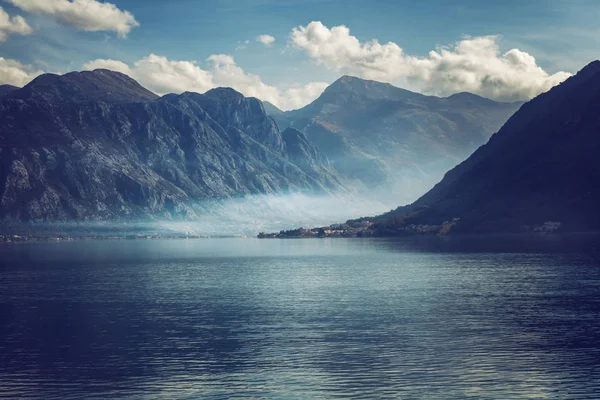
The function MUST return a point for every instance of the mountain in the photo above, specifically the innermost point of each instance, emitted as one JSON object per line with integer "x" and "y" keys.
{"x": 99, "y": 85}
{"x": 96, "y": 145}
{"x": 272, "y": 109}
{"x": 385, "y": 136}
{"x": 540, "y": 172}
{"x": 6, "y": 89}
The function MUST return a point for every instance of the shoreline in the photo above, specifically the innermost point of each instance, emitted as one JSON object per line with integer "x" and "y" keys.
{"x": 11, "y": 239}
{"x": 15, "y": 239}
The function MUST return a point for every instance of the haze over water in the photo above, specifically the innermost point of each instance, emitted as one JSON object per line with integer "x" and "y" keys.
{"x": 447, "y": 318}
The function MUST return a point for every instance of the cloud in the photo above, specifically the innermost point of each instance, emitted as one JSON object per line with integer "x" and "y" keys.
{"x": 297, "y": 96}
{"x": 14, "y": 73}
{"x": 242, "y": 45}
{"x": 112, "y": 65}
{"x": 472, "y": 64}
{"x": 166, "y": 76}
{"x": 16, "y": 24}
{"x": 162, "y": 76}
{"x": 227, "y": 73}
{"x": 267, "y": 40}
{"x": 86, "y": 15}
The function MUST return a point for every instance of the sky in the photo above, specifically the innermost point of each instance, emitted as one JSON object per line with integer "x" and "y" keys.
{"x": 288, "y": 51}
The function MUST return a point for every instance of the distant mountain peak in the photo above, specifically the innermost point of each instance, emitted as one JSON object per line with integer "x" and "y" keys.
{"x": 349, "y": 82}
{"x": 224, "y": 93}
{"x": 465, "y": 95}
{"x": 353, "y": 85}
{"x": 103, "y": 72}
{"x": 469, "y": 98}
{"x": 100, "y": 84}
{"x": 353, "y": 79}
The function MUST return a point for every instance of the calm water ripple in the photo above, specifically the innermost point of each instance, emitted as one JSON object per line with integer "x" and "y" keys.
{"x": 501, "y": 318}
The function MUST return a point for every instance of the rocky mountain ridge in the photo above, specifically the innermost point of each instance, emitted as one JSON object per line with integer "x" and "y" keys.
{"x": 96, "y": 145}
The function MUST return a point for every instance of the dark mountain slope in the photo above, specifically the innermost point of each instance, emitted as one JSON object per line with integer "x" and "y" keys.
{"x": 543, "y": 165}
{"x": 6, "y": 89}
{"x": 97, "y": 145}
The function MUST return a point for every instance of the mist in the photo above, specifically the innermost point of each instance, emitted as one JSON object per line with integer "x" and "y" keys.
{"x": 258, "y": 213}
{"x": 245, "y": 216}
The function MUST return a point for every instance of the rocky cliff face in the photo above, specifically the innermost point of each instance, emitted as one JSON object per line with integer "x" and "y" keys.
{"x": 540, "y": 172}
{"x": 96, "y": 145}
{"x": 390, "y": 137}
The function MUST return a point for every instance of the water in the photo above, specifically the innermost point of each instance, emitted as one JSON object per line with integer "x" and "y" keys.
{"x": 500, "y": 318}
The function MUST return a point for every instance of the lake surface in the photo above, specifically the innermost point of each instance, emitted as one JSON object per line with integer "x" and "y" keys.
{"x": 422, "y": 318}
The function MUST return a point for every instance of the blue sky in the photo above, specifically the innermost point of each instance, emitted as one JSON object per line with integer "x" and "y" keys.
{"x": 561, "y": 35}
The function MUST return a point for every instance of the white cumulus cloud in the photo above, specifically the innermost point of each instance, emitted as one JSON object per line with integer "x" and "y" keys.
{"x": 112, "y": 65}
{"x": 13, "y": 72}
{"x": 226, "y": 72}
{"x": 267, "y": 40}
{"x": 166, "y": 76}
{"x": 473, "y": 64}
{"x": 162, "y": 76}
{"x": 16, "y": 24}
{"x": 86, "y": 15}
{"x": 296, "y": 96}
